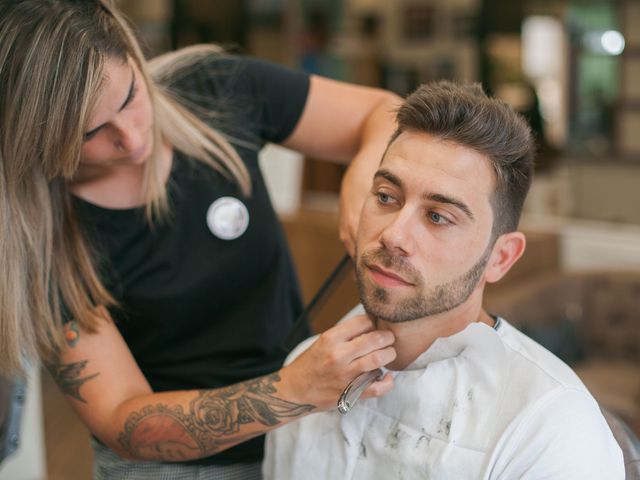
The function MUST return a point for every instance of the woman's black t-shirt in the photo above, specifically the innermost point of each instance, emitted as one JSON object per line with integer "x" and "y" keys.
{"x": 198, "y": 311}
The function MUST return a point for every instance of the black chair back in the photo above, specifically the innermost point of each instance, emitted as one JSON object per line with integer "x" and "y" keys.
{"x": 628, "y": 442}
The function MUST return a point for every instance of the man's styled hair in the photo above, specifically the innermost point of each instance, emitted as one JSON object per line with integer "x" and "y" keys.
{"x": 465, "y": 115}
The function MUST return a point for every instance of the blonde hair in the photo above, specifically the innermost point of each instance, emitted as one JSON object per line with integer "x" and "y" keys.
{"x": 52, "y": 54}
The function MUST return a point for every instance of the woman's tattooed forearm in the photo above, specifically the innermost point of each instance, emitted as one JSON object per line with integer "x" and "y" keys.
{"x": 163, "y": 432}
{"x": 69, "y": 379}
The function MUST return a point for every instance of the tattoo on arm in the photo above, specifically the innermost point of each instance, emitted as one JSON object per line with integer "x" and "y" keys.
{"x": 163, "y": 432}
{"x": 69, "y": 379}
{"x": 68, "y": 376}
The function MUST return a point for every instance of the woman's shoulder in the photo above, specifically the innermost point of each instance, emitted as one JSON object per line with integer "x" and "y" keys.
{"x": 194, "y": 64}
{"x": 218, "y": 69}
{"x": 227, "y": 90}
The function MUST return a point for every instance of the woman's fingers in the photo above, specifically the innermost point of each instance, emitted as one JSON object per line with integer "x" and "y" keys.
{"x": 320, "y": 374}
{"x": 349, "y": 329}
{"x": 380, "y": 387}
{"x": 354, "y": 347}
{"x": 374, "y": 347}
{"x": 347, "y": 232}
{"x": 374, "y": 359}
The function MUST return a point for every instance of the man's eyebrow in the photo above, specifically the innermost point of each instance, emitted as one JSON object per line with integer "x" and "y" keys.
{"x": 387, "y": 175}
{"x": 434, "y": 197}
{"x": 124, "y": 104}
{"x": 441, "y": 198}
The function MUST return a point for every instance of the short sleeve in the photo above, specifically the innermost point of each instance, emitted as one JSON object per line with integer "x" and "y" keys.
{"x": 249, "y": 98}
{"x": 564, "y": 437}
{"x": 282, "y": 95}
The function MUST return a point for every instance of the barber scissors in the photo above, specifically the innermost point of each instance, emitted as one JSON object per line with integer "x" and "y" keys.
{"x": 354, "y": 390}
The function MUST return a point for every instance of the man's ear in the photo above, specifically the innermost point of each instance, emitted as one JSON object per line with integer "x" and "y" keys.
{"x": 508, "y": 248}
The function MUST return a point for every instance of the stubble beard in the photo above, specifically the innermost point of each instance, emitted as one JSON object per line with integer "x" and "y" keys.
{"x": 426, "y": 301}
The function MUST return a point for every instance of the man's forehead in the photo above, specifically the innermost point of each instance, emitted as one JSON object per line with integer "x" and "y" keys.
{"x": 419, "y": 155}
{"x": 435, "y": 168}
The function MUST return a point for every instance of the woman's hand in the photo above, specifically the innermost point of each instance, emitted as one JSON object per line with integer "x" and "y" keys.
{"x": 347, "y": 123}
{"x": 320, "y": 374}
{"x": 356, "y": 185}
{"x": 377, "y": 129}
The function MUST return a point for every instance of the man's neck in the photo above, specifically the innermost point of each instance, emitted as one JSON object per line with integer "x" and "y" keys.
{"x": 416, "y": 336}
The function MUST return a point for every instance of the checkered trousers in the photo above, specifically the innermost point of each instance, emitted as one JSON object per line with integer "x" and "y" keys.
{"x": 109, "y": 466}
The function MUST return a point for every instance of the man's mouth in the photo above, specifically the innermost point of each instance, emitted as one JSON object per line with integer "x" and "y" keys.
{"x": 387, "y": 278}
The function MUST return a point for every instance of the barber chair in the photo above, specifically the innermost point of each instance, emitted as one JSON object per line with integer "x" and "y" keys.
{"x": 628, "y": 442}
{"x": 591, "y": 320}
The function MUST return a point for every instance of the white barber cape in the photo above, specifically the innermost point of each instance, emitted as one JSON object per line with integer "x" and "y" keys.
{"x": 482, "y": 404}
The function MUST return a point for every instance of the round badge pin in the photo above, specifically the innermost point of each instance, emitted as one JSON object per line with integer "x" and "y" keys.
{"x": 227, "y": 218}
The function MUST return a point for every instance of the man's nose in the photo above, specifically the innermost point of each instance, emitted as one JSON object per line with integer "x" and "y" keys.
{"x": 397, "y": 236}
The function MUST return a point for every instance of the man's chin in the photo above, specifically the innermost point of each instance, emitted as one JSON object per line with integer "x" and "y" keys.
{"x": 392, "y": 305}
{"x": 387, "y": 313}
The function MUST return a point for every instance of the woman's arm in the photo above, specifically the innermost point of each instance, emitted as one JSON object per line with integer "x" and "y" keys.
{"x": 344, "y": 122}
{"x": 108, "y": 391}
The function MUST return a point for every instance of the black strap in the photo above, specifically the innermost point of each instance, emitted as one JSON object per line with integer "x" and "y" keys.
{"x": 295, "y": 335}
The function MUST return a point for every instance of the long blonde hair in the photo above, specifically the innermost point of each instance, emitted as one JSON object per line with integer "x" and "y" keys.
{"x": 52, "y": 54}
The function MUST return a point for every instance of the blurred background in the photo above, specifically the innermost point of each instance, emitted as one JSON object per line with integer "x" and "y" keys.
{"x": 572, "y": 67}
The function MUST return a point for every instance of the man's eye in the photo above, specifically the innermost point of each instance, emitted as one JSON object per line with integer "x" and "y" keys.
{"x": 438, "y": 219}
{"x": 384, "y": 198}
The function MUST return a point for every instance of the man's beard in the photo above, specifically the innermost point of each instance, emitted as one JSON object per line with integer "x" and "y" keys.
{"x": 425, "y": 301}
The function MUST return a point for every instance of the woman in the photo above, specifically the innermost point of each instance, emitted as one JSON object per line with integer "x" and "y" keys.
{"x": 142, "y": 259}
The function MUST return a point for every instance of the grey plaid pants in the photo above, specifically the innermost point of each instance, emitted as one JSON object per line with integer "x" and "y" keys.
{"x": 109, "y": 466}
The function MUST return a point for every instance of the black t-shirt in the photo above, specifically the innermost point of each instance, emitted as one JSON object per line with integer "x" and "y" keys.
{"x": 198, "y": 311}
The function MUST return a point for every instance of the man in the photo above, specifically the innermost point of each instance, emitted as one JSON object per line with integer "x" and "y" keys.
{"x": 473, "y": 397}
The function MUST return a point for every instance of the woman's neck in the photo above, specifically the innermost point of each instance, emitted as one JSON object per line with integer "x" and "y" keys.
{"x": 116, "y": 187}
